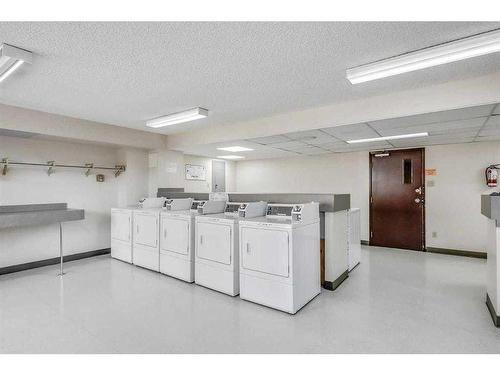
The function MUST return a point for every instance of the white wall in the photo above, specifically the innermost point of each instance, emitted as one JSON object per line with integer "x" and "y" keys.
{"x": 167, "y": 170}
{"x": 24, "y": 185}
{"x": 70, "y": 128}
{"x": 453, "y": 203}
{"x": 453, "y": 207}
{"x": 333, "y": 173}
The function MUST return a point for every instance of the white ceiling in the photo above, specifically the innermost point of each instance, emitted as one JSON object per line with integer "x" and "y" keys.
{"x": 473, "y": 124}
{"x": 126, "y": 73}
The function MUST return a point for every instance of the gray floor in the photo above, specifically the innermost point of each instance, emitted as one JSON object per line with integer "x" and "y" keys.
{"x": 395, "y": 302}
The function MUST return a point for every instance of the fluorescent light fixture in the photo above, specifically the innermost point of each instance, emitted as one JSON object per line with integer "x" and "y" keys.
{"x": 12, "y": 58}
{"x": 230, "y": 157}
{"x": 477, "y": 45}
{"x": 178, "y": 118}
{"x": 235, "y": 149}
{"x": 414, "y": 135}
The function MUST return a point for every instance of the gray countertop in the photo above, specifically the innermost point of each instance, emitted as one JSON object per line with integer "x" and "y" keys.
{"x": 37, "y": 214}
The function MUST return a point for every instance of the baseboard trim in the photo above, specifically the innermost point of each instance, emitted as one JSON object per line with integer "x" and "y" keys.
{"x": 332, "y": 285}
{"x": 463, "y": 253}
{"x": 491, "y": 309}
{"x": 52, "y": 261}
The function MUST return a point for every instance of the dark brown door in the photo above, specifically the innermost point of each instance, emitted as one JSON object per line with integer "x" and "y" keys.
{"x": 397, "y": 197}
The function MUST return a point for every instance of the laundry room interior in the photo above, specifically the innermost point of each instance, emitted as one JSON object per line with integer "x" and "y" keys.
{"x": 270, "y": 187}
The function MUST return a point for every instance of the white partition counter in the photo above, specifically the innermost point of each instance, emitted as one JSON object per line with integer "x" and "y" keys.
{"x": 490, "y": 207}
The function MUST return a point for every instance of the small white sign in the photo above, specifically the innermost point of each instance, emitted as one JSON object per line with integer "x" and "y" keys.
{"x": 195, "y": 172}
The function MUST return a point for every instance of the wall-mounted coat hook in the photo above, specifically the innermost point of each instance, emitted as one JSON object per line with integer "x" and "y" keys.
{"x": 51, "y": 165}
{"x": 89, "y": 167}
{"x": 119, "y": 169}
{"x": 5, "y": 163}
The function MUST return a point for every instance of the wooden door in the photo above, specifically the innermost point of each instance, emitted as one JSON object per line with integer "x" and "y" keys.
{"x": 397, "y": 196}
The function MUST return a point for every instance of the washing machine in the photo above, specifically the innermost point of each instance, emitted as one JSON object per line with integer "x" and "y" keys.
{"x": 146, "y": 239}
{"x": 121, "y": 234}
{"x": 177, "y": 239}
{"x": 122, "y": 228}
{"x": 280, "y": 257}
{"x": 216, "y": 258}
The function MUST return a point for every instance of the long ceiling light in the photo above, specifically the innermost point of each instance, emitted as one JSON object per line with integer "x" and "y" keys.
{"x": 235, "y": 149}
{"x": 402, "y": 136}
{"x": 461, "y": 49}
{"x": 231, "y": 157}
{"x": 12, "y": 58}
{"x": 178, "y": 118}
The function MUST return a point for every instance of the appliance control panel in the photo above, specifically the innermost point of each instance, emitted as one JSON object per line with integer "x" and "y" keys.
{"x": 299, "y": 212}
{"x": 195, "y": 205}
{"x": 211, "y": 207}
{"x": 178, "y": 204}
{"x": 252, "y": 209}
{"x": 232, "y": 209}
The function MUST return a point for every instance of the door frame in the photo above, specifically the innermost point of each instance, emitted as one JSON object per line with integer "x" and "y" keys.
{"x": 371, "y": 156}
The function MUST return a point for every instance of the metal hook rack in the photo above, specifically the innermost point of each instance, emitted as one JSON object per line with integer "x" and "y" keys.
{"x": 5, "y": 164}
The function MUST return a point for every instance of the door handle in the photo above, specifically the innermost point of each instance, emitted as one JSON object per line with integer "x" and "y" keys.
{"x": 165, "y": 233}
{"x": 248, "y": 247}
{"x": 418, "y": 190}
{"x": 417, "y": 200}
{"x": 201, "y": 239}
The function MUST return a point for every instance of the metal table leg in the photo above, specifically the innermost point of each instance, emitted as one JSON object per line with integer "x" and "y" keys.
{"x": 61, "y": 271}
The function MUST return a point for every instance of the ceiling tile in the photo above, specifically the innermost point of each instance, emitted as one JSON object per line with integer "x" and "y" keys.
{"x": 490, "y": 138}
{"x": 433, "y": 140}
{"x": 437, "y": 128}
{"x": 348, "y": 132}
{"x": 269, "y": 140}
{"x": 485, "y": 132}
{"x": 493, "y": 121}
{"x": 428, "y": 118}
{"x": 311, "y": 150}
{"x": 359, "y": 146}
{"x": 288, "y": 145}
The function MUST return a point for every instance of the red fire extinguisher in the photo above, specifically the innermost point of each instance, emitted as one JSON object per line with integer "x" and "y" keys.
{"x": 492, "y": 176}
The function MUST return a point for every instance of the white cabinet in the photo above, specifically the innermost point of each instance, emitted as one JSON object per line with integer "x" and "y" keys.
{"x": 146, "y": 249}
{"x": 121, "y": 234}
{"x": 177, "y": 244}
{"x": 121, "y": 225}
{"x": 146, "y": 229}
{"x": 175, "y": 234}
{"x": 265, "y": 251}
{"x": 214, "y": 242}
{"x": 217, "y": 256}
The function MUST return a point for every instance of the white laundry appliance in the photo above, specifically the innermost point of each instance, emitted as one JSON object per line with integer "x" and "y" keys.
{"x": 177, "y": 241}
{"x": 280, "y": 257}
{"x": 122, "y": 228}
{"x": 121, "y": 234}
{"x": 354, "y": 237}
{"x": 146, "y": 240}
{"x": 217, "y": 253}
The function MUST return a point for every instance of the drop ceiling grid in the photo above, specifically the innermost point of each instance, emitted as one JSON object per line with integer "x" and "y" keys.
{"x": 466, "y": 125}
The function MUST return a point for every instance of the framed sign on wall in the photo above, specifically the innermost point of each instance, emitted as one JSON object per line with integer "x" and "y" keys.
{"x": 196, "y": 172}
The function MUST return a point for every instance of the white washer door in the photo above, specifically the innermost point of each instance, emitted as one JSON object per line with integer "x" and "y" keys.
{"x": 146, "y": 229}
{"x": 175, "y": 235}
{"x": 121, "y": 225}
{"x": 265, "y": 250}
{"x": 214, "y": 242}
